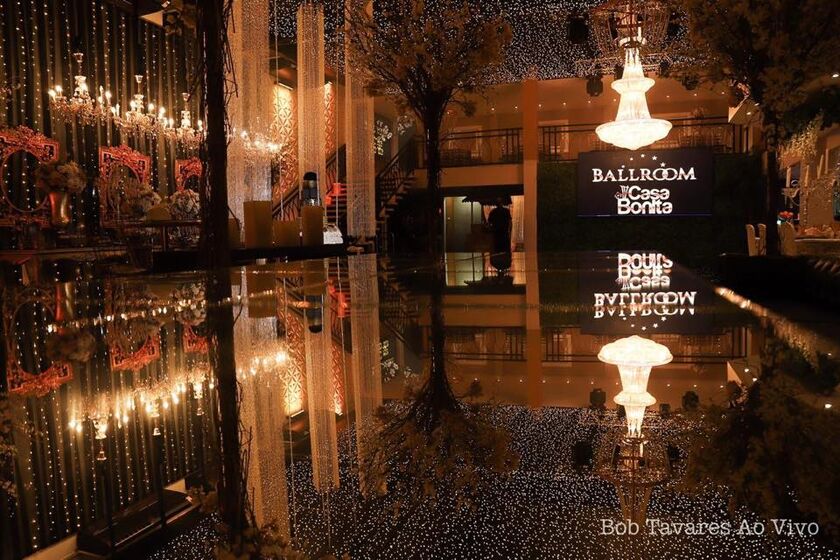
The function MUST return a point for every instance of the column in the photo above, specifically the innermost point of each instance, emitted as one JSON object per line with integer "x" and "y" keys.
{"x": 530, "y": 105}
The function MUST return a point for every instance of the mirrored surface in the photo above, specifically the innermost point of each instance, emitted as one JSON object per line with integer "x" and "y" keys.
{"x": 125, "y": 392}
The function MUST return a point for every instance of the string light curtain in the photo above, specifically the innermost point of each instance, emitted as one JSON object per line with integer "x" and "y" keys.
{"x": 263, "y": 417}
{"x": 310, "y": 93}
{"x": 320, "y": 389}
{"x": 37, "y": 41}
{"x": 364, "y": 328}
{"x": 261, "y": 409}
{"x": 284, "y": 129}
{"x": 361, "y": 170}
{"x": 250, "y": 110}
{"x": 57, "y": 471}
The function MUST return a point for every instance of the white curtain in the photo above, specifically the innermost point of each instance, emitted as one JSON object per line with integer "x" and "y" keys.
{"x": 367, "y": 373}
{"x": 310, "y": 94}
{"x": 320, "y": 390}
{"x": 517, "y": 236}
{"x": 361, "y": 170}
{"x": 263, "y": 407}
{"x": 249, "y": 172}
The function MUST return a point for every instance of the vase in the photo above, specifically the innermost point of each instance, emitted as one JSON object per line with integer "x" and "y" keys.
{"x": 59, "y": 209}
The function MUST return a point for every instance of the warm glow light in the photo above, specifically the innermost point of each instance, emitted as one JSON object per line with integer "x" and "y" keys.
{"x": 633, "y": 127}
{"x": 635, "y": 356}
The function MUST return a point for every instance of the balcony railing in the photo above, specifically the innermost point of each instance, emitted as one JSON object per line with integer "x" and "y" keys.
{"x": 480, "y": 147}
{"x": 565, "y": 142}
{"x": 485, "y": 343}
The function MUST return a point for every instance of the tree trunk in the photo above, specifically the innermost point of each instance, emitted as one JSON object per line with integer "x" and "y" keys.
{"x": 223, "y": 364}
{"x": 215, "y": 248}
{"x": 215, "y": 254}
{"x": 436, "y": 239}
{"x": 770, "y": 172}
{"x": 438, "y": 383}
{"x": 435, "y": 201}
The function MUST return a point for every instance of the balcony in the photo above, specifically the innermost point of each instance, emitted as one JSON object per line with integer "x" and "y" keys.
{"x": 486, "y": 158}
{"x": 565, "y": 142}
{"x": 482, "y": 158}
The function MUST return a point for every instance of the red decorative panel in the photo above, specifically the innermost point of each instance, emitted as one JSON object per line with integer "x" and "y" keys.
{"x": 329, "y": 119}
{"x": 284, "y": 130}
{"x": 193, "y": 342}
{"x": 186, "y": 169}
{"x": 109, "y": 160}
{"x": 22, "y": 139}
{"x": 295, "y": 385}
{"x": 20, "y": 381}
{"x": 148, "y": 353}
{"x": 37, "y": 385}
{"x": 338, "y": 375}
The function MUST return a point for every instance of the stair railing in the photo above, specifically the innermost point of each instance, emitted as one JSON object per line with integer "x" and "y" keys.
{"x": 396, "y": 174}
{"x": 289, "y": 208}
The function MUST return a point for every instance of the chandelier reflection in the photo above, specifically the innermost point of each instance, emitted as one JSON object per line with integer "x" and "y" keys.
{"x": 153, "y": 399}
{"x": 634, "y": 463}
{"x": 635, "y": 356}
{"x": 256, "y": 146}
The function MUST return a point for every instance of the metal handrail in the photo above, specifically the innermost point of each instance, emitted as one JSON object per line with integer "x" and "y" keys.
{"x": 565, "y": 142}
{"x": 396, "y": 174}
{"x": 480, "y": 147}
{"x": 289, "y": 209}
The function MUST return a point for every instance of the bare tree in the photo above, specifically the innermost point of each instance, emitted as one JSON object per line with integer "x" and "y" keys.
{"x": 426, "y": 57}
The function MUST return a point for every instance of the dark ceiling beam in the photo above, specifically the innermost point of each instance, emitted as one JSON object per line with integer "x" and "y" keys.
{"x": 140, "y": 7}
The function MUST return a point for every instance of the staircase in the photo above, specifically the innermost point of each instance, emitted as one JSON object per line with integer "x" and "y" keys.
{"x": 335, "y": 201}
{"x": 392, "y": 184}
{"x": 394, "y": 181}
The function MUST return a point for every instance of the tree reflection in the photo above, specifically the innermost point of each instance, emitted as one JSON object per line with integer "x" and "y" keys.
{"x": 434, "y": 446}
{"x": 774, "y": 445}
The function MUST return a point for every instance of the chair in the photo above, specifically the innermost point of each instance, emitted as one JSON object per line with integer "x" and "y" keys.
{"x": 762, "y": 239}
{"x": 787, "y": 239}
{"x": 752, "y": 241}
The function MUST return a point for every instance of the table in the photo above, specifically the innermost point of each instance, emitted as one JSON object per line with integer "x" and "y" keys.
{"x": 20, "y": 256}
{"x": 818, "y": 246}
{"x": 163, "y": 225}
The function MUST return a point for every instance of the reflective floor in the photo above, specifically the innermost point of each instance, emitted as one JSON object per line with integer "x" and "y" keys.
{"x": 124, "y": 392}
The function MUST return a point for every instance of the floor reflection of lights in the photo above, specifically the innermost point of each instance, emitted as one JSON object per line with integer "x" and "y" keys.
{"x": 546, "y": 510}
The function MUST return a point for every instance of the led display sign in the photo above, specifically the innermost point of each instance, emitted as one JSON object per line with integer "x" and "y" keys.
{"x": 646, "y": 183}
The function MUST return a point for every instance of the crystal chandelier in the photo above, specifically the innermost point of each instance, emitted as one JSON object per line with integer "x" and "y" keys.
{"x": 81, "y": 105}
{"x": 633, "y": 126}
{"x": 141, "y": 118}
{"x": 186, "y": 134}
{"x": 257, "y": 147}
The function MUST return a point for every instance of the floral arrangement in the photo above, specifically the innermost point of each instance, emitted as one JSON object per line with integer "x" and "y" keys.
{"x": 190, "y": 304}
{"x": 382, "y": 134}
{"x": 183, "y": 205}
{"x": 137, "y": 198}
{"x": 70, "y": 345}
{"x": 404, "y": 124}
{"x": 804, "y": 143}
{"x": 130, "y": 334}
{"x": 68, "y": 177}
{"x": 786, "y": 216}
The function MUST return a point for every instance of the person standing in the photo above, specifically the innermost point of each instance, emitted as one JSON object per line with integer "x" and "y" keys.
{"x": 500, "y": 223}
